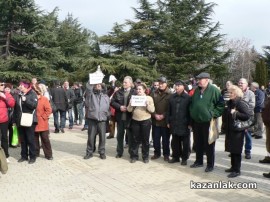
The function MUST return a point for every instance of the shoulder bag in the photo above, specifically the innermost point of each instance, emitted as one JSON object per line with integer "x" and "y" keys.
{"x": 26, "y": 118}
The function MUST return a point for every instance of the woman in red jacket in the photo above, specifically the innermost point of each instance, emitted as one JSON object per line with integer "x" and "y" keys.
{"x": 44, "y": 111}
{"x": 6, "y": 101}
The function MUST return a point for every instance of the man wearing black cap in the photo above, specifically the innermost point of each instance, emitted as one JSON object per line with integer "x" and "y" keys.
{"x": 161, "y": 99}
{"x": 207, "y": 103}
{"x": 178, "y": 120}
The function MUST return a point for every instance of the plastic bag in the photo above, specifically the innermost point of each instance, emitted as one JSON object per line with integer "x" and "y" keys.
{"x": 15, "y": 137}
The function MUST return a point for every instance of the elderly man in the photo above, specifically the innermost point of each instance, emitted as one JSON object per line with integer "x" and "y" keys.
{"x": 259, "y": 105}
{"x": 119, "y": 102}
{"x": 207, "y": 103}
{"x": 249, "y": 97}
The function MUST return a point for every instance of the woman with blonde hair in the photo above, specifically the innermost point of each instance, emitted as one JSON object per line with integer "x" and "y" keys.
{"x": 234, "y": 140}
{"x": 44, "y": 90}
{"x": 42, "y": 128}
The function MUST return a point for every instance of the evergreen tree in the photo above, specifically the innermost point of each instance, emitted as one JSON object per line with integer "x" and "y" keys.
{"x": 261, "y": 73}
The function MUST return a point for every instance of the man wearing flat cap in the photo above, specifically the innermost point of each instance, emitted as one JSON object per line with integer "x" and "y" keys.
{"x": 207, "y": 103}
{"x": 178, "y": 120}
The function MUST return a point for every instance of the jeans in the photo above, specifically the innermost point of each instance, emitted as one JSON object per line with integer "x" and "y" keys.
{"x": 248, "y": 143}
{"x": 161, "y": 132}
{"x": 62, "y": 119}
{"x": 78, "y": 112}
{"x": 70, "y": 117}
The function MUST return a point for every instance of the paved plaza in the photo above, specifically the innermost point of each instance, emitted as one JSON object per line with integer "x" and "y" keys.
{"x": 68, "y": 177}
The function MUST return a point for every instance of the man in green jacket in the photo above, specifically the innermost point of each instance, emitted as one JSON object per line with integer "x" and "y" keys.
{"x": 207, "y": 103}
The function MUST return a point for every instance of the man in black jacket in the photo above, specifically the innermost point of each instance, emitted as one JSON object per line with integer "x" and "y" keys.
{"x": 78, "y": 103}
{"x": 60, "y": 100}
{"x": 70, "y": 96}
{"x": 120, "y": 101}
{"x": 178, "y": 120}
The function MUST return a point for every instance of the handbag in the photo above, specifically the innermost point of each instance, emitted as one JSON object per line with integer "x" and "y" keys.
{"x": 26, "y": 118}
{"x": 3, "y": 162}
{"x": 239, "y": 125}
{"x": 15, "y": 138}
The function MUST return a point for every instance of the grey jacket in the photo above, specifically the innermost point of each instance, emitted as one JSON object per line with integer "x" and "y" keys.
{"x": 97, "y": 104}
{"x": 249, "y": 97}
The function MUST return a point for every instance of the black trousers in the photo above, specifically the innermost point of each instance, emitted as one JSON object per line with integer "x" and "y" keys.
{"x": 95, "y": 127}
{"x": 140, "y": 130}
{"x": 236, "y": 162}
{"x": 4, "y": 137}
{"x": 27, "y": 137}
{"x": 201, "y": 134}
{"x": 180, "y": 146}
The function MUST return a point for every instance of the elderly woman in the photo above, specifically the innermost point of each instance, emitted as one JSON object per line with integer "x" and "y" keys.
{"x": 44, "y": 111}
{"x": 26, "y": 102}
{"x": 234, "y": 140}
{"x": 6, "y": 101}
{"x": 141, "y": 124}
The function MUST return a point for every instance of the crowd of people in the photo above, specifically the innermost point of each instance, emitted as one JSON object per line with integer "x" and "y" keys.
{"x": 168, "y": 116}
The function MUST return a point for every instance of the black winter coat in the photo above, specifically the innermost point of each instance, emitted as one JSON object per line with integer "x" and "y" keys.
{"x": 59, "y": 97}
{"x": 27, "y": 106}
{"x": 118, "y": 101}
{"x": 234, "y": 140}
{"x": 178, "y": 114}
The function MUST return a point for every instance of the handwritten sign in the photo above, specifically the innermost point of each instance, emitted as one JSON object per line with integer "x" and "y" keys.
{"x": 138, "y": 100}
{"x": 96, "y": 77}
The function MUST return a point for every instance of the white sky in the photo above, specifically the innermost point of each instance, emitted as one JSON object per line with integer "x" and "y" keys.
{"x": 239, "y": 18}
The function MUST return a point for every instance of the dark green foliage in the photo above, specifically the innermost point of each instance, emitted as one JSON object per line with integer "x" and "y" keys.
{"x": 261, "y": 73}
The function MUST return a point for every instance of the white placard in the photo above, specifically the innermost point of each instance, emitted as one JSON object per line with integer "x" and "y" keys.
{"x": 96, "y": 77}
{"x": 137, "y": 100}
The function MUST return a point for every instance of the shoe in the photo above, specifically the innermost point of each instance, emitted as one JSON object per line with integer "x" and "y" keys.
{"x": 184, "y": 163}
{"x": 265, "y": 160}
{"x": 267, "y": 175}
{"x": 102, "y": 156}
{"x": 155, "y": 157}
{"x": 84, "y": 129}
{"x": 110, "y": 137}
{"x": 49, "y": 158}
{"x": 132, "y": 160}
{"x": 209, "y": 169}
{"x": 118, "y": 156}
{"x": 233, "y": 174}
{"x": 166, "y": 158}
{"x": 173, "y": 160}
{"x": 22, "y": 160}
{"x": 31, "y": 161}
{"x": 56, "y": 131}
{"x": 258, "y": 137}
{"x": 88, "y": 156}
{"x": 196, "y": 165}
{"x": 229, "y": 170}
{"x": 247, "y": 156}
{"x": 146, "y": 160}
{"x": 70, "y": 127}
{"x": 62, "y": 130}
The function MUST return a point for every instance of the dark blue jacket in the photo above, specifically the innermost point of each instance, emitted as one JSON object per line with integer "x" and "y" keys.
{"x": 259, "y": 103}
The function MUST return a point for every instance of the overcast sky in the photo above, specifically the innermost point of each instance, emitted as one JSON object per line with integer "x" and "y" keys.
{"x": 239, "y": 18}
